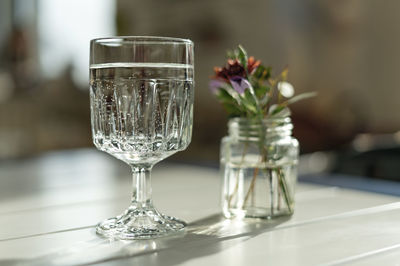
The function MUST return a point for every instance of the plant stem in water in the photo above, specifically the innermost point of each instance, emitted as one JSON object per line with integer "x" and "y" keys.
{"x": 283, "y": 185}
{"x": 251, "y": 188}
{"x": 271, "y": 191}
{"x": 279, "y": 198}
{"x": 235, "y": 190}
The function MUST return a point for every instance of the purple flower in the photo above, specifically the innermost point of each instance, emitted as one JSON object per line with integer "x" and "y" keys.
{"x": 215, "y": 84}
{"x": 240, "y": 84}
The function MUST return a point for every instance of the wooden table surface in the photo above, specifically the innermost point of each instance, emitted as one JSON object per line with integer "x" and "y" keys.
{"x": 49, "y": 207}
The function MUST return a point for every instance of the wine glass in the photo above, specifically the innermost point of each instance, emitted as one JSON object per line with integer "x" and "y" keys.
{"x": 141, "y": 98}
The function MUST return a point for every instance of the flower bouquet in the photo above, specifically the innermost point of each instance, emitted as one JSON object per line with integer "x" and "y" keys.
{"x": 259, "y": 156}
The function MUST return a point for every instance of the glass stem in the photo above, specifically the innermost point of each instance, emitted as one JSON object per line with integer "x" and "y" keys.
{"x": 141, "y": 175}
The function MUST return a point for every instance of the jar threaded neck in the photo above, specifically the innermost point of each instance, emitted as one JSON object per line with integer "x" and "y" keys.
{"x": 251, "y": 129}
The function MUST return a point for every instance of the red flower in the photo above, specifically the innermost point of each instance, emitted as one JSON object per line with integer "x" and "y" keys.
{"x": 252, "y": 64}
{"x": 233, "y": 69}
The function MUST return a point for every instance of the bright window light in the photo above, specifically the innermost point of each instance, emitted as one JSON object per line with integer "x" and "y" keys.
{"x": 65, "y": 29}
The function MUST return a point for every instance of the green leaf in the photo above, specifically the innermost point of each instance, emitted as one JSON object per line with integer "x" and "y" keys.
{"x": 230, "y": 104}
{"x": 232, "y": 109}
{"x": 225, "y": 96}
{"x": 248, "y": 96}
{"x": 264, "y": 101}
{"x": 300, "y": 97}
{"x": 230, "y": 54}
{"x": 280, "y": 110}
{"x": 284, "y": 74}
{"x": 249, "y": 102}
{"x": 242, "y": 56}
{"x": 261, "y": 90}
{"x": 262, "y": 73}
{"x": 285, "y": 112}
{"x": 275, "y": 108}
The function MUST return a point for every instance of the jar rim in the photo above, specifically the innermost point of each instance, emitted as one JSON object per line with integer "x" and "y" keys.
{"x": 249, "y": 129}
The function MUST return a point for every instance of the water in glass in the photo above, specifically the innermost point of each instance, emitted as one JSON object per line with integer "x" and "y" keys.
{"x": 141, "y": 113}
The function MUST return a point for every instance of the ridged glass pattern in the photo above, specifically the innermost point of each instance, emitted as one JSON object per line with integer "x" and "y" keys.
{"x": 141, "y": 113}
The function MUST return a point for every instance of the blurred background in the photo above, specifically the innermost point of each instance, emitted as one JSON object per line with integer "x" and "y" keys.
{"x": 346, "y": 50}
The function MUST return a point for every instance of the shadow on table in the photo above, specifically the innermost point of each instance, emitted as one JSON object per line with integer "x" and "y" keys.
{"x": 202, "y": 238}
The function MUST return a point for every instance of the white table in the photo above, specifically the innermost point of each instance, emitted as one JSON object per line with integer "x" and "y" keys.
{"x": 49, "y": 206}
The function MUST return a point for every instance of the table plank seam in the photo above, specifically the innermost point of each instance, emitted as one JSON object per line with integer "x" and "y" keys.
{"x": 362, "y": 255}
{"x": 87, "y": 202}
{"x": 48, "y": 233}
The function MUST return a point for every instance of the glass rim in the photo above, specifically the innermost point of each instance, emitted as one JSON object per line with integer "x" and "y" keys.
{"x": 141, "y": 40}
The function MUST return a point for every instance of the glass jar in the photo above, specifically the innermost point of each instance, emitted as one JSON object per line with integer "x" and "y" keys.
{"x": 259, "y": 168}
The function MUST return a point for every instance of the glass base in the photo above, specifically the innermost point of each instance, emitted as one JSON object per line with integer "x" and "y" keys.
{"x": 140, "y": 222}
{"x": 256, "y": 212}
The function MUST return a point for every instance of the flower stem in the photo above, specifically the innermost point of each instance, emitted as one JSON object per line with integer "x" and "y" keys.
{"x": 263, "y": 151}
{"x": 284, "y": 187}
{"x": 271, "y": 191}
{"x": 235, "y": 190}
{"x": 279, "y": 198}
{"x": 252, "y": 184}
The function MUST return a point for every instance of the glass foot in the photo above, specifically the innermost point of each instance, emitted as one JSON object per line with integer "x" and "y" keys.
{"x": 140, "y": 223}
